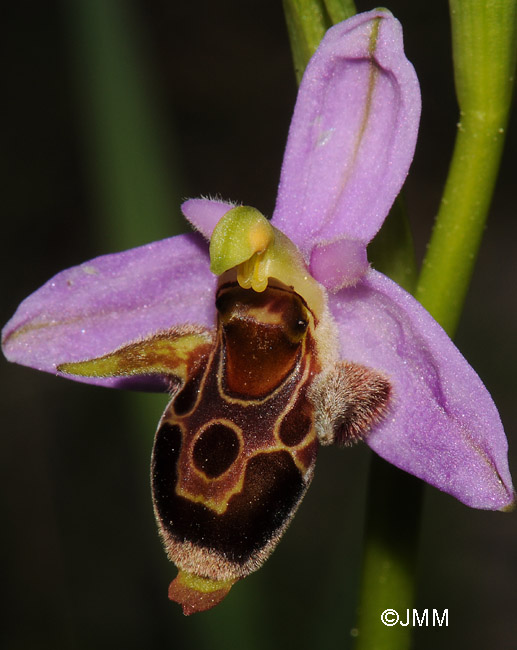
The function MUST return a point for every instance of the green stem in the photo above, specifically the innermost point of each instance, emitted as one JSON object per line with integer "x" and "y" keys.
{"x": 307, "y": 21}
{"x": 389, "y": 556}
{"x": 484, "y": 37}
{"x": 484, "y": 50}
{"x": 394, "y": 498}
{"x": 339, "y": 10}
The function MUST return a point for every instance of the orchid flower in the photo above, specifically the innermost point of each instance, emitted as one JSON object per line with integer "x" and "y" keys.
{"x": 279, "y": 336}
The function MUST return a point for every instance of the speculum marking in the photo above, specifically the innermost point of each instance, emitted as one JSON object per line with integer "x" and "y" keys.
{"x": 271, "y": 490}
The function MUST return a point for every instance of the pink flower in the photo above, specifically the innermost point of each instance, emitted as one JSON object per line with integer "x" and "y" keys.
{"x": 350, "y": 144}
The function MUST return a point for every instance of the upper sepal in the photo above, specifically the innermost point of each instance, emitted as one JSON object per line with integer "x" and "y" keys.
{"x": 92, "y": 309}
{"x": 442, "y": 424}
{"x": 351, "y": 140}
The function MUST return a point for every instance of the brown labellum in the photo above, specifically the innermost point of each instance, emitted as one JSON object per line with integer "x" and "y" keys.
{"x": 229, "y": 471}
{"x": 236, "y": 447}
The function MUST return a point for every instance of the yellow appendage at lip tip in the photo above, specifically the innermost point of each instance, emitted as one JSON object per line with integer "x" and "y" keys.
{"x": 203, "y": 585}
{"x": 197, "y": 594}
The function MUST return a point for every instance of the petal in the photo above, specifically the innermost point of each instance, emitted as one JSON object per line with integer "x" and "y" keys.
{"x": 340, "y": 264}
{"x": 173, "y": 353}
{"x": 443, "y": 425}
{"x": 352, "y": 136}
{"x": 204, "y": 214}
{"x": 96, "y": 307}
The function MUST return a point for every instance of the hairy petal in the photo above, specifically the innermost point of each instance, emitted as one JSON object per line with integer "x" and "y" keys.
{"x": 94, "y": 308}
{"x": 204, "y": 214}
{"x": 352, "y": 137}
{"x": 442, "y": 425}
{"x": 339, "y": 264}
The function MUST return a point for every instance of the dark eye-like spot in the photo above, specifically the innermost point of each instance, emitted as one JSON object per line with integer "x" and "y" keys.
{"x": 296, "y": 319}
{"x": 297, "y": 423}
{"x": 170, "y": 435}
{"x": 301, "y": 325}
{"x": 167, "y": 446}
{"x": 215, "y": 450}
{"x": 185, "y": 400}
{"x": 224, "y": 301}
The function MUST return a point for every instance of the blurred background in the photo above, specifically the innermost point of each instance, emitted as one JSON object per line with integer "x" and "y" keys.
{"x": 115, "y": 110}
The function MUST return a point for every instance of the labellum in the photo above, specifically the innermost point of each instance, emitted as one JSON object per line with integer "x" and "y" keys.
{"x": 236, "y": 447}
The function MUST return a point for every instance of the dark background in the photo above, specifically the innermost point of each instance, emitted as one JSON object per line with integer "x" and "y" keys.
{"x": 82, "y": 563}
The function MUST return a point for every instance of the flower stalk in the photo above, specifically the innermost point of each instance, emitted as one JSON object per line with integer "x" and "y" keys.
{"x": 307, "y": 21}
{"x": 394, "y": 497}
{"x": 394, "y": 502}
{"x": 484, "y": 48}
{"x": 484, "y": 39}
